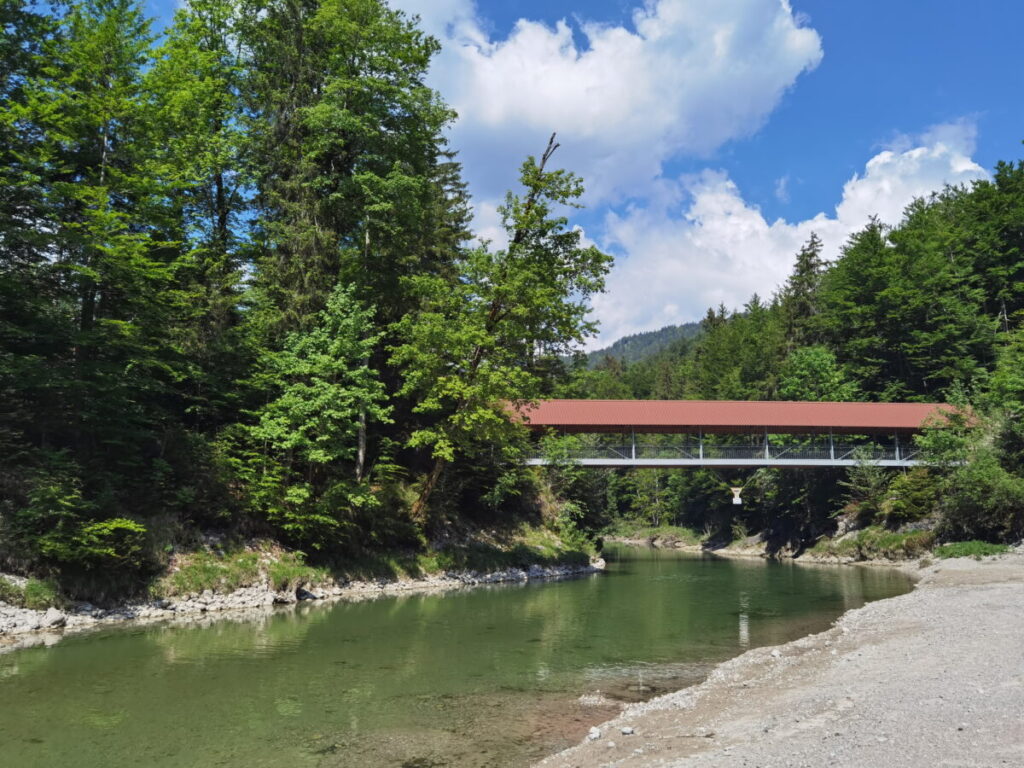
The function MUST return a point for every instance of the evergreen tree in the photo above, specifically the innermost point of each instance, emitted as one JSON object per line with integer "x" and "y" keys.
{"x": 481, "y": 341}
{"x": 799, "y": 297}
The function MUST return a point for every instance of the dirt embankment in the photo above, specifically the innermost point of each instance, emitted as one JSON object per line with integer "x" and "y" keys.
{"x": 931, "y": 678}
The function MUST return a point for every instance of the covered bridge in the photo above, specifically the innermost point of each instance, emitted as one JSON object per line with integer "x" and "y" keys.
{"x": 731, "y": 433}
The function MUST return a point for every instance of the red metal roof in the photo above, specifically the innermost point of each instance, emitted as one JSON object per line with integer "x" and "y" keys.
{"x": 728, "y": 416}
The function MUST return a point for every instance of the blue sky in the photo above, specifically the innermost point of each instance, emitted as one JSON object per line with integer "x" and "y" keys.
{"x": 715, "y": 135}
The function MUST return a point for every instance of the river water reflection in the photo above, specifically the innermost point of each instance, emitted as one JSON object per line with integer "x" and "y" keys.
{"x": 484, "y": 677}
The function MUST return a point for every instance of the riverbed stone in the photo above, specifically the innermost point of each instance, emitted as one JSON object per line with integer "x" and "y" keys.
{"x": 53, "y": 618}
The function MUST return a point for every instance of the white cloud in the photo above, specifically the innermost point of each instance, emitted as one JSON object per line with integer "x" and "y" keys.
{"x": 684, "y": 77}
{"x": 697, "y": 243}
{"x": 782, "y": 189}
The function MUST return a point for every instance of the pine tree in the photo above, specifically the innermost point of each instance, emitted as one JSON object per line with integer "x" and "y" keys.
{"x": 799, "y": 297}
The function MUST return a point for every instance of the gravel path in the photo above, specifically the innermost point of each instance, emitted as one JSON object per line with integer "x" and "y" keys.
{"x": 933, "y": 678}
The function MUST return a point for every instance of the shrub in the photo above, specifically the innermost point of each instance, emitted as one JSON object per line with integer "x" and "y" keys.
{"x": 972, "y": 548}
{"x": 981, "y": 500}
{"x": 911, "y": 496}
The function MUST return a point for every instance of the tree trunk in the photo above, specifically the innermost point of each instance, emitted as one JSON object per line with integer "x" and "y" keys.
{"x": 361, "y": 449}
{"x": 419, "y": 508}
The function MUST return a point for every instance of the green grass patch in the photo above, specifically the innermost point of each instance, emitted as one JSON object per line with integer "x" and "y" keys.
{"x": 976, "y": 549}
{"x": 289, "y": 570}
{"x": 37, "y": 594}
{"x": 40, "y": 594}
{"x": 201, "y": 571}
{"x": 10, "y": 592}
{"x": 225, "y": 572}
{"x": 875, "y": 543}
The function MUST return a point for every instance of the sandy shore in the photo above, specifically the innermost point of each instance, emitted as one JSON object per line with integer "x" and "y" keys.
{"x": 930, "y": 679}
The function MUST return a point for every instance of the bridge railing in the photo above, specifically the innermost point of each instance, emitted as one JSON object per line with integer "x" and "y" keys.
{"x": 840, "y": 452}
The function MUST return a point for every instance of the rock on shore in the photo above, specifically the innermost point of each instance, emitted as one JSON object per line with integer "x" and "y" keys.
{"x": 931, "y": 678}
{"x": 23, "y": 626}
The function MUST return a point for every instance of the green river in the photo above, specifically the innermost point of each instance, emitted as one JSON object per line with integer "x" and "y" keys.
{"x": 485, "y": 677}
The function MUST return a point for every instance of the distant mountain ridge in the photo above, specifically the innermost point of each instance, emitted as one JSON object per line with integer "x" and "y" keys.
{"x": 638, "y": 346}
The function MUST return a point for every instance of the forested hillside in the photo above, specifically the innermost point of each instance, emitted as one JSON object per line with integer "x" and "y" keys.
{"x": 638, "y": 346}
{"x": 929, "y": 310}
{"x": 237, "y": 291}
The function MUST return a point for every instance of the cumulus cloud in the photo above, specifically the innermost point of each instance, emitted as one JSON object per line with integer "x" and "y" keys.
{"x": 684, "y": 77}
{"x": 698, "y": 243}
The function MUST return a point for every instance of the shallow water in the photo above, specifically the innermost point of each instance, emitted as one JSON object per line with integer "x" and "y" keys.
{"x": 484, "y": 677}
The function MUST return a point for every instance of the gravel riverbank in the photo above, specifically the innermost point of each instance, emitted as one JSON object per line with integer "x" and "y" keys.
{"x": 931, "y": 678}
{"x": 22, "y": 627}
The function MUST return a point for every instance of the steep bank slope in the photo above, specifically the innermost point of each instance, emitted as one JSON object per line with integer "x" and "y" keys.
{"x": 932, "y": 678}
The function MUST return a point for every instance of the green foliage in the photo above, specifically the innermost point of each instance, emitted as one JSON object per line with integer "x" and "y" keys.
{"x": 56, "y": 526}
{"x": 909, "y": 497}
{"x": 976, "y": 549}
{"x": 205, "y": 243}
{"x": 927, "y": 310}
{"x": 237, "y": 291}
{"x": 638, "y": 346}
{"x": 979, "y": 496}
{"x": 866, "y": 483}
{"x": 811, "y": 373}
{"x": 321, "y": 389}
{"x": 495, "y": 335}
{"x": 875, "y": 542}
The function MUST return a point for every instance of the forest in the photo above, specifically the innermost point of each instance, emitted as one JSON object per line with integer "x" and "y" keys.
{"x": 239, "y": 292}
{"x": 930, "y": 310}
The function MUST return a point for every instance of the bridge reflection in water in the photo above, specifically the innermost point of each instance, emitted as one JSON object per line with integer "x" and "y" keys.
{"x": 693, "y": 433}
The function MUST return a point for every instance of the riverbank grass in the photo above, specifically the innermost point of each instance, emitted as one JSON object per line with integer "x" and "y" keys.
{"x": 36, "y": 594}
{"x": 482, "y": 553}
{"x": 196, "y": 572}
{"x": 264, "y": 563}
{"x": 975, "y": 549}
{"x": 874, "y": 542}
